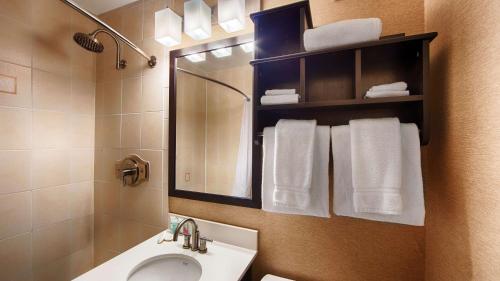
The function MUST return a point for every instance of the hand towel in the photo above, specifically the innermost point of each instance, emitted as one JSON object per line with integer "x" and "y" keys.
{"x": 293, "y": 162}
{"x": 280, "y": 99}
{"x": 376, "y": 165}
{"x": 278, "y": 92}
{"x": 342, "y": 33}
{"x": 386, "y": 94}
{"x": 319, "y": 205}
{"x": 397, "y": 86}
{"x": 412, "y": 193}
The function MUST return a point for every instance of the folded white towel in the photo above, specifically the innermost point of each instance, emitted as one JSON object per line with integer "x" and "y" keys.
{"x": 397, "y": 86}
{"x": 280, "y": 99}
{"x": 319, "y": 205}
{"x": 342, "y": 33}
{"x": 376, "y": 165}
{"x": 270, "y": 277}
{"x": 412, "y": 187}
{"x": 278, "y": 92}
{"x": 293, "y": 162}
{"x": 386, "y": 94}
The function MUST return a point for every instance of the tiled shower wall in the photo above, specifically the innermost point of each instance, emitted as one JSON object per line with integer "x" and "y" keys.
{"x": 131, "y": 118}
{"x": 47, "y": 90}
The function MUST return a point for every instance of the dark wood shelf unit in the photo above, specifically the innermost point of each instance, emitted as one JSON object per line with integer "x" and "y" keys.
{"x": 332, "y": 82}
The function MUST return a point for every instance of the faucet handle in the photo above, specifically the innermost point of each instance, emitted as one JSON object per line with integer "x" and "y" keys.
{"x": 203, "y": 244}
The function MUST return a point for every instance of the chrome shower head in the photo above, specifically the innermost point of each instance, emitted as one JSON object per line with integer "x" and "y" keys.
{"x": 89, "y": 42}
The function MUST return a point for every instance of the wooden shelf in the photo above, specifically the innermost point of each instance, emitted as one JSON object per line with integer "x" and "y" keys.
{"x": 341, "y": 103}
{"x": 388, "y": 40}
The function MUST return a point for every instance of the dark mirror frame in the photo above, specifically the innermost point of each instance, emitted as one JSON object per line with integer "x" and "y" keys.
{"x": 255, "y": 201}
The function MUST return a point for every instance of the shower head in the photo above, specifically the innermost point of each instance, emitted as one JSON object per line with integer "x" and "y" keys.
{"x": 89, "y": 42}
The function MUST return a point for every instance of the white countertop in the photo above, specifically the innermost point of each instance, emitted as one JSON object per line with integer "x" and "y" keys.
{"x": 222, "y": 262}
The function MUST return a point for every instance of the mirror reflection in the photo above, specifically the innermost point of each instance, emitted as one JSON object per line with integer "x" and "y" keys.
{"x": 213, "y": 121}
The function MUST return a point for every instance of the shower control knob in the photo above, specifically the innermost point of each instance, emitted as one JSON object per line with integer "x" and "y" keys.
{"x": 132, "y": 170}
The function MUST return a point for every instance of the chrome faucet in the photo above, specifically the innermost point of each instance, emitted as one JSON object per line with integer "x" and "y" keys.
{"x": 195, "y": 236}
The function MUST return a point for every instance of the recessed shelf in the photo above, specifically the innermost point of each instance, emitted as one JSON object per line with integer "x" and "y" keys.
{"x": 341, "y": 103}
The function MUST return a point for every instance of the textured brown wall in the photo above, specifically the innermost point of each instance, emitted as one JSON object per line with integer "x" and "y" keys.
{"x": 307, "y": 248}
{"x": 462, "y": 184}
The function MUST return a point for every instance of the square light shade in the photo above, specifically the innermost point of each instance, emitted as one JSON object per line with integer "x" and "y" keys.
{"x": 231, "y": 14}
{"x": 168, "y": 27}
{"x": 198, "y": 57}
{"x": 223, "y": 52}
{"x": 197, "y": 19}
{"x": 248, "y": 47}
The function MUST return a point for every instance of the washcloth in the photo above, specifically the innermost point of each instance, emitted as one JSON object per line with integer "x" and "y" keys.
{"x": 397, "y": 86}
{"x": 376, "y": 165}
{"x": 319, "y": 205}
{"x": 293, "y": 162}
{"x": 386, "y": 94}
{"x": 280, "y": 99}
{"x": 412, "y": 194}
{"x": 342, "y": 33}
{"x": 278, "y": 92}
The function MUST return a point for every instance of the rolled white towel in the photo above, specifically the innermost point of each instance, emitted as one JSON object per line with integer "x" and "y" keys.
{"x": 386, "y": 94}
{"x": 342, "y": 33}
{"x": 397, "y": 86}
{"x": 279, "y": 92}
{"x": 281, "y": 99}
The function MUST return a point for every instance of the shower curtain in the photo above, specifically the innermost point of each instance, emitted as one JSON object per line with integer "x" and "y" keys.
{"x": 243, "y": 176}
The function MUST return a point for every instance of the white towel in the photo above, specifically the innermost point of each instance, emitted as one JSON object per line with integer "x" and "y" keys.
{"x": 280, "y": 99}
{"x": 293, "y": 162}
{"x": 319, "y": 184}
{"x": 342, "y": 33}
{"x": 278, "y": 92}
{"x": 386, "y": 94}
{"x": 412, "y": 187}
{"x": 270, "y": 277}
{"x": 397, "y": 86}
{"x": 376, "y": 165}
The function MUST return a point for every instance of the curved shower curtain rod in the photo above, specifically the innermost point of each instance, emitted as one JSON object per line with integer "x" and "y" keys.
{"x": 215, "y": 81}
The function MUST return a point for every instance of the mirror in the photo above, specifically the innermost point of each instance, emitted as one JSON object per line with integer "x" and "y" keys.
{"x": 211, "y": 131}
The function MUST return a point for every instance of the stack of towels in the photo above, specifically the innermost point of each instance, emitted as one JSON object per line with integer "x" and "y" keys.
{"x": 280, "y": 96}
{"x": 342, "y": 33}
{"x": 398, "y": 89}
{"x": 295, "y": 168}
{"x": 377, "y": 173}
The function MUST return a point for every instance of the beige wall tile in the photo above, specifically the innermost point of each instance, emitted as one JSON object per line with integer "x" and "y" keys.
{"x": 82, "y": 96}
{"x": 81, "y": 165}
{"x": 142, "y": 204}
{"x": 81, "y": 233}
{"x": 22, "y": 76}
{"x": 51, "y": 129}
{"x": 50, "y": 167}
{"x": 152, "y": 47}
{"x": 16, "y": 41}
{"x": 51, "y": 205}
{"x": 18, "y": 123}
{"x": 106, "y": 233}
{"x": 132, "y": 21}
{"x": 15, "y": 257}
{"x": 132, "y": 95}
{"x": 150, "y": 7}
{"x": 51, "y": 91}
{"x": 155, "y": 160}
{"x": 132, "y": 233}
{"x": 106, "y": 69}
{"x": 111, "y": 125}
{"x": 82, "y": 131}
{"x": 135, "y": 63}
{"x": 131, "y": 131}
{"x": 19, "y": 9}
{"x": 105, "y": 163}
{"x": 152, "y": 93}
{"x": 51, "y": 243}
{"x": 81, "y": 199}
{"x": 81, "y": 262}
{"x": 152, "y": 130}
{"x": 15, "y": 171}
{"x": 109, "y": 95}
{"x": 166, "y": 101}
{"x": 15, "y": 214}
{"x": 107, "y": 198}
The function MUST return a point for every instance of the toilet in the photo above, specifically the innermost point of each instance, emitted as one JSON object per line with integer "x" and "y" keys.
{"x": 270, "y": 277}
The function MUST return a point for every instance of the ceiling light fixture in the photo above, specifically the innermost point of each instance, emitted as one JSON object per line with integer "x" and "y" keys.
{"x": 248, "y": 47}
{"x": 198, "y": 57}
{"x": 223, "y": 52}
{"x": 231, "y": 14}
{"x": 168, "y": 27}
{"x": 197, "y": 19}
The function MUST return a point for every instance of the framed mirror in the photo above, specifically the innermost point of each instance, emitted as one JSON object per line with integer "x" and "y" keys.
{"x": 210, "y": 122}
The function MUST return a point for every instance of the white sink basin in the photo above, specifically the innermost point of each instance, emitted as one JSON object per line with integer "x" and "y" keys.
{"x": 170, "y": 267}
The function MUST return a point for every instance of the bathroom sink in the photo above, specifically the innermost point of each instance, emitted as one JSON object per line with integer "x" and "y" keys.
{"x": 170, "y": 267}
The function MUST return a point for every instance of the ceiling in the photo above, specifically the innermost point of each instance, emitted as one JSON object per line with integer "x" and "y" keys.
{"x": 98, "y": 7}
